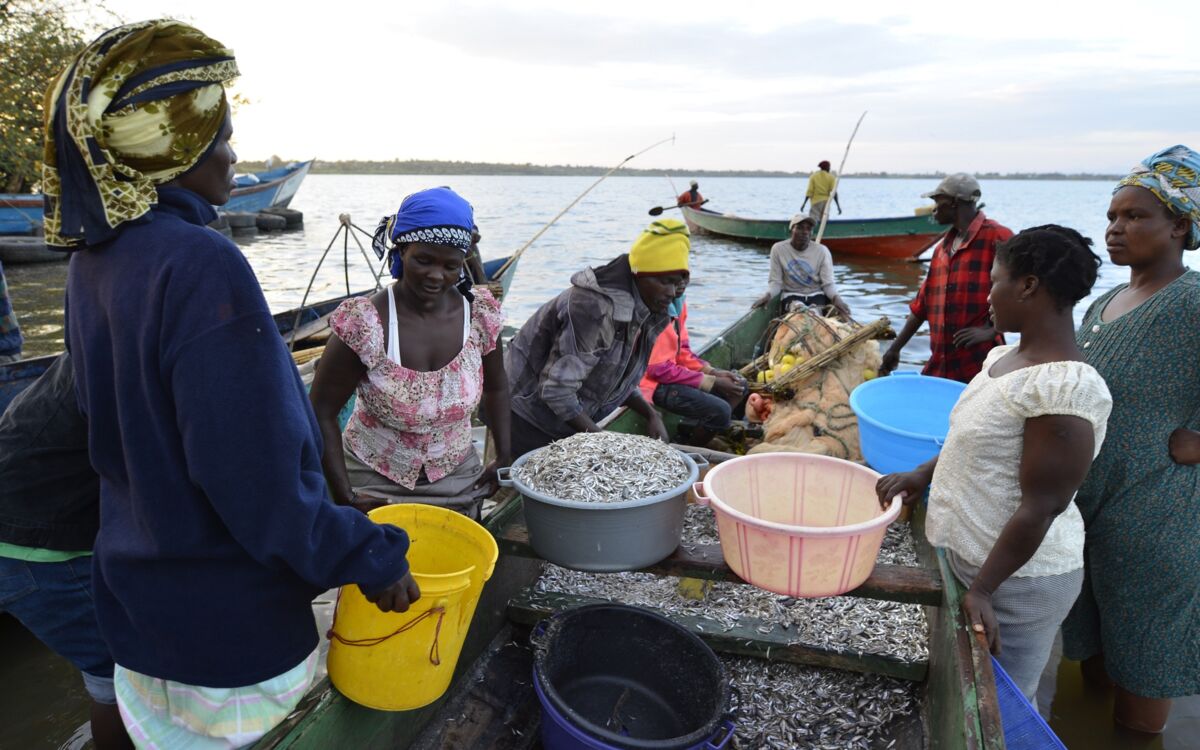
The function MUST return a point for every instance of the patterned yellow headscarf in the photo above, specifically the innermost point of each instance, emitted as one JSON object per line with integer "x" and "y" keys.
{"x": 136, "y": 108}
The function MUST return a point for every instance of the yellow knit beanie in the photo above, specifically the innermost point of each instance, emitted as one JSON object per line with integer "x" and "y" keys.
{"x": 662, "y": 248}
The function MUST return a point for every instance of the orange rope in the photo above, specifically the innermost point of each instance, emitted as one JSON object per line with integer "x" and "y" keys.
{"x": 435, "y": 657}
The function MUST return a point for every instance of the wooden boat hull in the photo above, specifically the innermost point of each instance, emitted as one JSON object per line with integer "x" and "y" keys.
{"x": 960, "y": 708}
{"x": 275, "y": 192}
{"x": 899, "y": 237}
{"x": 959, "y": 711}
{"x": 21, "y": 213}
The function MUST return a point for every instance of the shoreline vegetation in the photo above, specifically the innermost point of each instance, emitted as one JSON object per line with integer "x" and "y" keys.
{"x": 476, "y": 168}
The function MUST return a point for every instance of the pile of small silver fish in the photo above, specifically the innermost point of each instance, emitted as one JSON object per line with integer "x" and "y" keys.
{"x": 898, "y": 547}
{"x": 786, "y": 705}
{"x": 604, "y": 467}
{"x": 844, "y": 623}
{"x": 781, "y": 705}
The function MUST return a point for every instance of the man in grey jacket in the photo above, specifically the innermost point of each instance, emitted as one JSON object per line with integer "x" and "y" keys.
{"x": 582, "y": 354}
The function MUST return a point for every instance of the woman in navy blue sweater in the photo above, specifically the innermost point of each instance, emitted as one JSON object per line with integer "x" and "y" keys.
{"x": 216, "y": 531}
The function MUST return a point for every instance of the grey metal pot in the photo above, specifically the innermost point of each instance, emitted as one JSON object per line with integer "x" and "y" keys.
{"x": 604, "y": 537}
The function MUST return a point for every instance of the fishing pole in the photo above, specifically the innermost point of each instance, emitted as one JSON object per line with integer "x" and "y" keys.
{"x": 836, "y": 177}
{"x": 517, "y": 255}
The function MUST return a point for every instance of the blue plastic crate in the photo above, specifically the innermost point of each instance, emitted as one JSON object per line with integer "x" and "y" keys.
{"x": 1024, "y": 727}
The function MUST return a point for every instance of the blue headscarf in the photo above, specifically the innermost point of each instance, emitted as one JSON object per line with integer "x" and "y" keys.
{"x": 1173, "y": 175}
{"x": 437, "y": 216}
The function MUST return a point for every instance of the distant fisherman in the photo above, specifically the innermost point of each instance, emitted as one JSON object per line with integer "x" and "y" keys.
{"x": 690, "y": 197}
{"x": 954, "y": 296}
{"x": 583, "y": 353}
{"x": 820, "y": 189}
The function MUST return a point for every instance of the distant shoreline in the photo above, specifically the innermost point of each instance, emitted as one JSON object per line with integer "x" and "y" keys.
{"x": 488, "y": 169}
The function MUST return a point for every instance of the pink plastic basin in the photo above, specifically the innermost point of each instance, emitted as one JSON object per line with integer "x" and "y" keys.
{"x": 797, "y": 524}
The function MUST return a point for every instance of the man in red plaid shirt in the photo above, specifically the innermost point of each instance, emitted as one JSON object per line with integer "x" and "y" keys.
{"x": 953, "y": 297}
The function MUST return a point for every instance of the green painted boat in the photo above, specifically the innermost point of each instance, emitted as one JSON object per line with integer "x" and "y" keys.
{"x": 490, "y": 703}
{"x": 900, "y": 237}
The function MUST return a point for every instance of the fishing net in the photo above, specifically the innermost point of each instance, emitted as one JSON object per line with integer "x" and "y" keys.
{"x": 815, "y": 363}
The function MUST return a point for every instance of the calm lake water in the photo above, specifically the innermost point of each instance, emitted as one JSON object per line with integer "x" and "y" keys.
{"x": 726, "y": 275}
{"x": 42, "y": 701}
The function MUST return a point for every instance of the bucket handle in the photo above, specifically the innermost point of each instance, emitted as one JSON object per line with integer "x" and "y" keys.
{"x": 700, "y": 461}
{"x": 701, "y": 498}
{"x": 504, "y": 476}
{"x": 435, "y": 656}
{"x": 721, "y": 737}
{"x": 903, "y": 374}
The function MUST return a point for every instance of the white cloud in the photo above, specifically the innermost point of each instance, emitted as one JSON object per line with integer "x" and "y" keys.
{"x": 1023, "y": 86}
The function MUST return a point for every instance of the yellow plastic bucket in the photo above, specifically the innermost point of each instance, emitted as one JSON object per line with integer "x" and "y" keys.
{"x": 398, "y": 661}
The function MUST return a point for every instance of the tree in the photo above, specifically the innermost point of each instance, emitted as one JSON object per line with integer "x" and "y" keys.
{"x": 37, "y": 40}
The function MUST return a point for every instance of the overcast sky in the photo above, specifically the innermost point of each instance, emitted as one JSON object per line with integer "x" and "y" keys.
{"x": 1003, "y": 86}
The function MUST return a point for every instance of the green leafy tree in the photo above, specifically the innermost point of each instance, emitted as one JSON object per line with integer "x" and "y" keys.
{"x": 37, "y": 39}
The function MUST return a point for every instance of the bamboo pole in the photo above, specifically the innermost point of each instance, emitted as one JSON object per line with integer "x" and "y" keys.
{"x": 803, "y": 371}
{"x": 836, "y": 179}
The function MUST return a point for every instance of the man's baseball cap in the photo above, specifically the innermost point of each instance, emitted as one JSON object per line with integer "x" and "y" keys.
{"x": 799, "y": 218}
{"x": 960, "y": 186}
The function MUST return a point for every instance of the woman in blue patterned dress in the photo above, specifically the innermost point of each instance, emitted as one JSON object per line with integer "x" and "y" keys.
{"x": 1137, "y": 620}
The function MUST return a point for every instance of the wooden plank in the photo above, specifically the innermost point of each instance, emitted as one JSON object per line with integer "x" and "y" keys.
{"x": 308, "y": 328}
{"x": 975, "y": 678}
{"x": 986, "y": 696}
{"x": 962, "y": 710}
{"x": 496, "y": 706}
{"x": 331, "y": 720}
{"x": 507, "y": 507}
{"x": 895, "y": 583}
{"x": 775, "y": 644}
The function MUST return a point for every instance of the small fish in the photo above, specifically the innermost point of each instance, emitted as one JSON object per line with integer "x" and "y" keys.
{"x": 780, "y": 704}
{"x": 604, "y": 467}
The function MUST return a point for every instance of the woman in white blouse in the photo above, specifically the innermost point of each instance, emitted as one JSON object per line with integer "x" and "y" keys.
{"x": 1021, "y": 440}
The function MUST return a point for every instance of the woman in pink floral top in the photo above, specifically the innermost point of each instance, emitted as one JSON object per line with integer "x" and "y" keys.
{"x": 421, "y": 355}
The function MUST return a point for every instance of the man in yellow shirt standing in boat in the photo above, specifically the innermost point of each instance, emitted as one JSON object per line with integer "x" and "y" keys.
{"x": 820, "y": 190}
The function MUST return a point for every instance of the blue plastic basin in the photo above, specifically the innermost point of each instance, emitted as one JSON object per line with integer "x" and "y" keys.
{"x": 903, "y": 419}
